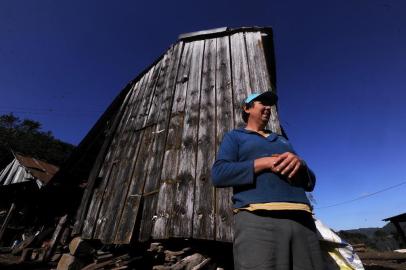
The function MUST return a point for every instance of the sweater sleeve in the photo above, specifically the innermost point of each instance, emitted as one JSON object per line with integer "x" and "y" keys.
{"x": 227, "y": 170}
{"x": 310, "y": 176}
{"x": 307, "y": 179}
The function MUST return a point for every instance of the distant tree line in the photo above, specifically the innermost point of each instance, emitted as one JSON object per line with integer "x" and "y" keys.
{"x": 25, "y": 136}
{"x": 380, "y": 239}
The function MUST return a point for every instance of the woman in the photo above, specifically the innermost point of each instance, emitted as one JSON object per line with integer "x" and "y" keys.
{"x": 273, "y": 224}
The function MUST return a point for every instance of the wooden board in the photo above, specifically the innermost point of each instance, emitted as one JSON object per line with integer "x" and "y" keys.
{"x": 129, "y": 210}
{"x": 112, "y": 212}
{"x": 126, "y": 222}
{"x": 224, "y": 123}
{"x": 259, "y": 74}
{"x": 153, "y": 175}
{"x": 102, "y": 155}
{"x": 131, "y": 195}
{"x": 204, "y": 205}
{"x": 181, "y": 222}
{"x": 107, "y": 191}
{"x": 108, "y": 168}
{"x": 240, "y": 75}
{"x": 167, "y": 190}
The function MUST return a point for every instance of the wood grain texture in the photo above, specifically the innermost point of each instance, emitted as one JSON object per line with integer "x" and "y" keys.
{"x": 153, "y": 174}
{"x": 108, "y": 169}
{"x": 259, "y": 74}
{"x": 102, "y": 156}
{"x": 130, "y": 156}
{"x": 240, "y": 75}
{"x": 116, "y": 184}
{"x": 168, "y": 180}
{"x": 224, "y": 123}
{"x": 204, "y": 206}
{"x": 130, "y": 201}
{"x": 181, "y": 222}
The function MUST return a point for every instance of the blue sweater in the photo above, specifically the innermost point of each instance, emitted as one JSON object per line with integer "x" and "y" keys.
{"x": 234, "y": 167}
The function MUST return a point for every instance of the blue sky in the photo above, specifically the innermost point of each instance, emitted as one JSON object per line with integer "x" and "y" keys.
{"x": 340, "y": 78}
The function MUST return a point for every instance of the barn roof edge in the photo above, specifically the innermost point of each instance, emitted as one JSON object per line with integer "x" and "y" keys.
{"x": 221, "y": 31}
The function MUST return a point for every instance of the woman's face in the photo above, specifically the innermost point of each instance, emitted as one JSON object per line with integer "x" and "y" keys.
{"x": 259, "y": 112}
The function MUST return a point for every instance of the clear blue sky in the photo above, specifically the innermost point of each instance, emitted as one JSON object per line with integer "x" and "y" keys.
{"x": 340, "y": 70}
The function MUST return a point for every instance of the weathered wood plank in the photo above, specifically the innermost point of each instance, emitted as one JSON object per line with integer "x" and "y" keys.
{"x": 152, "y": 181}
{"x": 110, "y": 192}
{"x": 148, "y": 97}
{"x": 135, "y": 156}
{"x": 7, "y": 219}
{"x": 133, "y": 202}
{"x": 259, "y": 74}
{"x": 224, "y": 123}
{"x": 240, "y": 75}
{"x": 165, "y": 94}
{"x": 82, "y": 224}
{"x": 105, "y": 173}
{"x": 159, "y": 90}
{"x": 182, "y": 219}
{"x": 102, "y": 156}
{"x": 204, "y": 210}
{"x": 172, "y": 148}
{"x": 134, "y": 180}
{"x": 123, "y": 232}
{"x": 128, "y": 157}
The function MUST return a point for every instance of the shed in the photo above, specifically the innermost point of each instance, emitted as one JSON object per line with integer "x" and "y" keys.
{"x": 20, "y": 184}
{"x": 151, "y": 178}
{"x": 396, "y": 220}
{"x": 25, "y": 168}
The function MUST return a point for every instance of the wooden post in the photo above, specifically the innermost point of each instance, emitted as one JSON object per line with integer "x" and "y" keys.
{"x": 7, "y": 220}
{"x": 55, "y": 236}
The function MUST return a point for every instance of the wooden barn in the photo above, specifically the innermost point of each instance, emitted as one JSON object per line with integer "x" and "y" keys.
{"x": 151, "y": 177}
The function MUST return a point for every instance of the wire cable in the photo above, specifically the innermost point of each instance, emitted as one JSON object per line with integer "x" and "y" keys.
{"x": 362, "y": 197}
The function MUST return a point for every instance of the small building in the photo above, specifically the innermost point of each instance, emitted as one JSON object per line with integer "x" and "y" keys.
{"x": 27, "y": 169}
{"x": 20, "y": 184}
{"x": 151, "y": 177}
{"x": 396, "y": 220}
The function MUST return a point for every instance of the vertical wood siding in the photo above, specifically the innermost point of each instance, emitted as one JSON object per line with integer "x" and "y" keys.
{"x": 155, "y": 180}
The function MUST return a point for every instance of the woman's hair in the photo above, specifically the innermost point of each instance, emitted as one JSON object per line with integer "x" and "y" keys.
{"x": 246, "y": 106}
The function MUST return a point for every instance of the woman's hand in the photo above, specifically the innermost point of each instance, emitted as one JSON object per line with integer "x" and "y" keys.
{"x": 287, "y": 164}
{"x": 266, "y": 163}
{"x": 284, "y": 164}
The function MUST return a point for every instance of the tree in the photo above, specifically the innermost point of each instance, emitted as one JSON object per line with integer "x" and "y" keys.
{"x": 30, "y": 126}
{"x": 26, "y": 137}
{"x": 9, "y": 121}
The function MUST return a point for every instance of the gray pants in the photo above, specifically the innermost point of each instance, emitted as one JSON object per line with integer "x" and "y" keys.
{"x": 277, "y": 240}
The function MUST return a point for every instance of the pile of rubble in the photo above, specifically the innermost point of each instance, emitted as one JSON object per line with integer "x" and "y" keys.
{"x": 42, "y": 248}
{"x": 169, "y": 255}
{"x": 388, "y": 260}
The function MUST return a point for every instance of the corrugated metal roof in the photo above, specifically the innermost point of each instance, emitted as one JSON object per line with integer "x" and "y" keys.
{"x": 41, "y": 170}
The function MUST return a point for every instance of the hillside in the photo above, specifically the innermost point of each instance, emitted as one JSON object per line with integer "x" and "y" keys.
{"x": 380, "y": 239}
